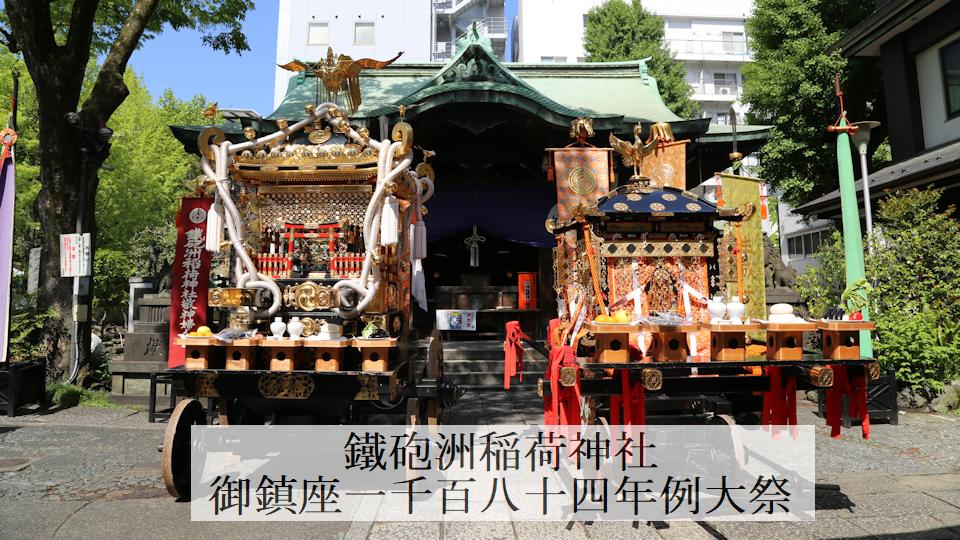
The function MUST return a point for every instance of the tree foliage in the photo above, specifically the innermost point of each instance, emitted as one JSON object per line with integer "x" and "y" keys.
{"x": 142, "y": 180}
{"x": 915, "y": 273}
{"x": 617, "y": 31}
{"x": 790, "y": 85}
{"x": 58, "y": 40}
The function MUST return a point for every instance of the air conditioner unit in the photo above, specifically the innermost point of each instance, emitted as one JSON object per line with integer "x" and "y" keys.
{"x": 724, "y": 90}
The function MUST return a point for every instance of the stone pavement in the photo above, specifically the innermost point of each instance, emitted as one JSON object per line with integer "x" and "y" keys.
{"x": 95, "y": 473}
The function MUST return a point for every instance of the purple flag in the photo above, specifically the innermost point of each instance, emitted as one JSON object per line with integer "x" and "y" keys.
{"x": 8, "y": 185}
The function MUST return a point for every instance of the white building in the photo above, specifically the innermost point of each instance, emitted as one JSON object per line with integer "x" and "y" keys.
{"x": 707, "y": 35}
{"x": 424, "y": 30}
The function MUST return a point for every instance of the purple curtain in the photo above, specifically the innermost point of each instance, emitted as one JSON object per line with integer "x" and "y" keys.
{"x": 8, "y": 186}
{"x": 514, "y": 213}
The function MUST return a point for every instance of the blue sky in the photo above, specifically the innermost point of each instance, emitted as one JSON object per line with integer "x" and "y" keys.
{"x": 179, "y": 61}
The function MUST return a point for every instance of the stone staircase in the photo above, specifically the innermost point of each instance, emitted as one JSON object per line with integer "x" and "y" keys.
{"x": 479, "y": 364}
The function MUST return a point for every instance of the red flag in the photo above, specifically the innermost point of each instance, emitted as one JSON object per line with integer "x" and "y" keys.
{"x": 191, "y": 274}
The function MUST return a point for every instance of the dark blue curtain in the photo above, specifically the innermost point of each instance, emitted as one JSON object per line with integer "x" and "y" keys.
{"x": 515, "y": 213}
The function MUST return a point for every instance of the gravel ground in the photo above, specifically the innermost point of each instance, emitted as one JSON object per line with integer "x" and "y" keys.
{"x": 95, "y": 473}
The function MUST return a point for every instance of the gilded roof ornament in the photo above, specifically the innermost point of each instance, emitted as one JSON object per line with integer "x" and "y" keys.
{"x": 340, "y": 75}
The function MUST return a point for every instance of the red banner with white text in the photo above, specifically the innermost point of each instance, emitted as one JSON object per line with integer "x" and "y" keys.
{"x": 190, "y": 274}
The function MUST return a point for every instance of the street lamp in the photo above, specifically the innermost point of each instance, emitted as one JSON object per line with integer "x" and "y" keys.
{"x": 861, "y": 138}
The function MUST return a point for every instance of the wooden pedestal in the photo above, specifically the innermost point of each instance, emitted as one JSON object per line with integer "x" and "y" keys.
{"x": 326, "y": 355}
{"x": 241, "y": 354}
{"x": 198, "y": 352}
{"x": 840, "y": 340}
{"x": 375, "y": 353}
{"x": 282, "y": 353}
{"x": 728, "y": 342}
{"x": 785, "y": 340}
{"x": 669, "y": 347}
{"x": 613, "y": 348}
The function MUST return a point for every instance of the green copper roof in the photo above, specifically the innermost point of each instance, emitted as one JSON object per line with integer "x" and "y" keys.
{"x": 613, "y": 94}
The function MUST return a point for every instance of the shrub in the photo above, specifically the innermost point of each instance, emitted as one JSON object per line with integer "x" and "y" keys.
{"x": 915, "y": 274}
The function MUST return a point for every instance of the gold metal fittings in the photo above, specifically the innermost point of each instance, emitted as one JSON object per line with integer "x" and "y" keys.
{"x": 308, "y": 296}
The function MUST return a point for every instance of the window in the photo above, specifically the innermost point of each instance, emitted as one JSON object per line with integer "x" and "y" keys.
{"x": 721, "y": 118}
{"x": 725, "y": 83}
{"x": 581, "y": 59}
{"x": 363, "y": 33}
{"x": 807, "y": 245}
{"x": 553, "y": 59}
{"x": 318, "y": 34}
{"x": 734, "y": 43}
{"x": 950, "y": 71}
{"x": 585, "y": 17}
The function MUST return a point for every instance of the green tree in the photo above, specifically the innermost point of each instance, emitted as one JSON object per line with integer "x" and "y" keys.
{"x": 790, "y": 85}
{"x": 616, "y": 31}
{"x": 915, "y": 272}
{"x": 142, "y": 181}
{"x": 58, "y": 39}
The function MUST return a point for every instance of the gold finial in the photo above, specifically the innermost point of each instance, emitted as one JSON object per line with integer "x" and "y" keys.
{"x": 581, "y": 129}
{"x": 211, "y": 111}
{"x": 403, "y": 111}
{"x": 249, "y": 133}
{"x": 310, "y": 108}
{"x": 282, "y": 123}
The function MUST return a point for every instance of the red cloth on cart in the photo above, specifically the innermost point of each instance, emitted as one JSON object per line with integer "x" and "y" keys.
{"x": 513, "y": 353}
{"x": 854, "y": 386}
{"x": 562, "y": 407}
{"x": 780, "y": 402}
{"x": 633, "y": 400}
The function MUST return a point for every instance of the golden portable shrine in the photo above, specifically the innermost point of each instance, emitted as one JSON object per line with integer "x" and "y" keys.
{"x": 315, "y": 232}
{"x": 651, "y": 282}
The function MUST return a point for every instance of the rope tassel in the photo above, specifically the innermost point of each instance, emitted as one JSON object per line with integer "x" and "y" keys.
{"x": 214, "y": 228}
{"x": 420, "y": 239}
{"x": 390, "y": 222}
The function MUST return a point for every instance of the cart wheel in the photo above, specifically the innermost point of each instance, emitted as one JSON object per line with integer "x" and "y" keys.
{"x": 176, "y": 446}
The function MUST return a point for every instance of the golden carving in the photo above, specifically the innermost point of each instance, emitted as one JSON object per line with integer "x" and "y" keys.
{"x": 369, "y": 388}
{"x": 669, "y": 197}
{"x": 582, "y": 181}
{"x": 285, "y": 385}
{"x": 320, "y": 136}
{"x": 339, "y": 73}
{"x": 310, "y": 326}
{"x": 230, "y": 297}
{"x": 621, "y": 207}
{"x": 210, "y": 135}
{"x": 568, "y": 376}
{"x": 402, "y": 132}
{"x": 308, "y": 296}
{"x": 635, "y": 197}
{"x": 581, "y": 129}
{"x": 652, "y": 378}
{"x": 657, "y": 207}
{"x": 656, "y": 248}
{"x": 203, "y": 385}
{"x": 694, "y": 207}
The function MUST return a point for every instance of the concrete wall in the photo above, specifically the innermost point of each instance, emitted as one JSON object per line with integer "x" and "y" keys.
{"x": 937, "y": 128}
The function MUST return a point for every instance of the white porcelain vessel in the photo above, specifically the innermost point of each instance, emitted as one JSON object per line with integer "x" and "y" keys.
{"x": 295, "y": 328}
{"x": 330, "y": 331}
{"x": 278, "y": 327}
{"x": 717, "y": 309}
{"x": 735, "y": 310}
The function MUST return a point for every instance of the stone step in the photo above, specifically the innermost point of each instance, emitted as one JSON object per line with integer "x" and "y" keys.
{"x": 494, "y": 380}
{"x": 457, "y": 367}
{"x": 481, "y": 352}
